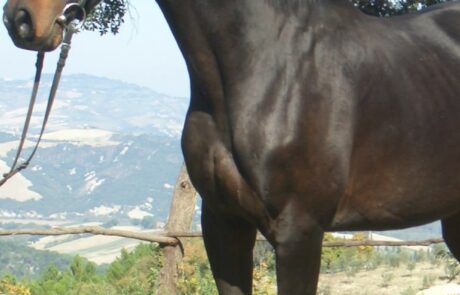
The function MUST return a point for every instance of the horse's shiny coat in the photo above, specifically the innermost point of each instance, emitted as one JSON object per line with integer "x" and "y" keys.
{"x": 309, "y": 116}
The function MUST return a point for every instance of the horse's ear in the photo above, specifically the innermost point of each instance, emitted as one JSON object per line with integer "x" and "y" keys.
{"x": 90, "y": 4}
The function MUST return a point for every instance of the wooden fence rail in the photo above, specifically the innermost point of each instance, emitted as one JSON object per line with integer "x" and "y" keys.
{"x": 172, "y": 238}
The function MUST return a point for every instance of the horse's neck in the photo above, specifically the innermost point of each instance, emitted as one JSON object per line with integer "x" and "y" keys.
{"x": 225, "y": 39}
{"x": 251, "y": 20}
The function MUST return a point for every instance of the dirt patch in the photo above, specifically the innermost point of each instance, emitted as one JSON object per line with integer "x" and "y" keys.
{"x": 384, "y": 280}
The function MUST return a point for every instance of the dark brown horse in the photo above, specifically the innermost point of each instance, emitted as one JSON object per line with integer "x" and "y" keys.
{"x": 306, "y": 116}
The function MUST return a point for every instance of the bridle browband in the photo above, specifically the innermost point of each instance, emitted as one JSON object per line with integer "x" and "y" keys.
{"x": 71, "y": 19}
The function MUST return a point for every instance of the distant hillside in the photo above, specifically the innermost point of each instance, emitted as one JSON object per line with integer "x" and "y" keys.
{"x": 85, "y": 101}
{"x": 111, "y": 150}
{"x": 431, "y": 230}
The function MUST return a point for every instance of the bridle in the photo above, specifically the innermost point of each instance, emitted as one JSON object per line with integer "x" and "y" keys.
{"x": 71, "y": 19}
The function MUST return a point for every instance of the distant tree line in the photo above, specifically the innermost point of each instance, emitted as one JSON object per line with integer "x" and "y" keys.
{"x": 20, "y": 260}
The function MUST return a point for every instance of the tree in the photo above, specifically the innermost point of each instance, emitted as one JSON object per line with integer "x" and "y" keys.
{"x": 107, "y": 16}
{"x": 389, "y": 8}
{"x": 82, "y": 270}
{"x": 8, "y": 285}
{"x": 53, "y": 282}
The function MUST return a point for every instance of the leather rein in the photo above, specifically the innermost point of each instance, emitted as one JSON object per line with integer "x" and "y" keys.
{"x": 70, "y": 25}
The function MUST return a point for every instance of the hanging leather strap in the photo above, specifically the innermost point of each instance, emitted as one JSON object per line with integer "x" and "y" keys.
{"x": 65, "y": 48}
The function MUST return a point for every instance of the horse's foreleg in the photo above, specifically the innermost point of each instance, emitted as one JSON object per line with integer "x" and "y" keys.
{"x": 298, "y": 257}
{"x": 229, "y": 245}
{"x": 451, "y": 234}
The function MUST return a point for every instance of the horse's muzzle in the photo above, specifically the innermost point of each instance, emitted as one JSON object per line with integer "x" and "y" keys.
{"x": 24, "y": 32}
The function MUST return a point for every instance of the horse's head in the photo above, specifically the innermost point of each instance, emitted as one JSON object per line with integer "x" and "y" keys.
{"x": 39, "y": 24}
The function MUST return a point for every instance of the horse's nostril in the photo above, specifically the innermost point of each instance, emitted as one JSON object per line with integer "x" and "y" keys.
{"x": 6, "y": 22}
{"x": 23, "y": 23}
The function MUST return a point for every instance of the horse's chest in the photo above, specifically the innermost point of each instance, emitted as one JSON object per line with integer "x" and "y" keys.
{"x": 213, "y": 170}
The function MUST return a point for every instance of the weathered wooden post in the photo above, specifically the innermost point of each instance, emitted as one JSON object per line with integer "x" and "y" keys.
{"x": 179, "y": 220}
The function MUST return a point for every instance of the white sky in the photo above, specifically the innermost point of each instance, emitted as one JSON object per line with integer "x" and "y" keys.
{"x": 143, "y": 53}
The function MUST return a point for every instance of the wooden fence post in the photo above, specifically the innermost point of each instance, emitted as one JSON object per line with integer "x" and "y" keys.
{"x": 180, "y": 220}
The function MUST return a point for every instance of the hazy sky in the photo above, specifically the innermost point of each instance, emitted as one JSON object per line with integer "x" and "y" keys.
{"x": 144, "y": 53}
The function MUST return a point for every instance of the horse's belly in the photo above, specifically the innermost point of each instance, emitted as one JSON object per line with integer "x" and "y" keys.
{"x": 401, "y": 176}
{"x": 402, "y": 206}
